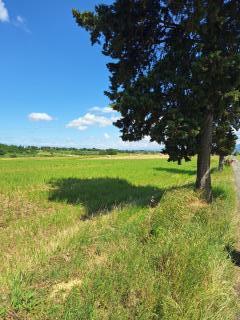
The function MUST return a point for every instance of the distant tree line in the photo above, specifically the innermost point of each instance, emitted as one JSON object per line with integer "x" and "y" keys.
{"x": 13, "y": 150}
{"x": 31, "y": 151}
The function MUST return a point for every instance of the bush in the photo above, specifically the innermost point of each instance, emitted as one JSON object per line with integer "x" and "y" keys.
{"x": 102, "y": 153}
{"x": 111, "y": 152}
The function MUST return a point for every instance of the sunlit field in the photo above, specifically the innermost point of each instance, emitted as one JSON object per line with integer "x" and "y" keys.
{"x": 114, "y": 239}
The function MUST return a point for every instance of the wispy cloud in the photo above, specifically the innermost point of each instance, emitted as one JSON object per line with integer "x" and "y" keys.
{"x": 90, "y": 119}
{"x": 20, "y": 19}
{"x": 37, "y": 116}
{"x": 106, "y": 136}
{"x": 21, "y": 22}
{"x": 4, "y": 16}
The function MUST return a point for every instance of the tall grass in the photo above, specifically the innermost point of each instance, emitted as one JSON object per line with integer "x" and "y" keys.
{"x": 92, "y": 247}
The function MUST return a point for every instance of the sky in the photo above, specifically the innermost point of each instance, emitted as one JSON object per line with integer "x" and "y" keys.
{"x": 52, "y": 80}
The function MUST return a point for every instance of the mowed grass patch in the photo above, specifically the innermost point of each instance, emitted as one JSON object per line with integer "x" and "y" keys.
{"x": 96, "y": 249}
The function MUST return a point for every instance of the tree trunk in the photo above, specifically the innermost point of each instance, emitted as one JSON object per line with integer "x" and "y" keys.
{"x": 203, "y": 181}
{"x": 221, "y": 163}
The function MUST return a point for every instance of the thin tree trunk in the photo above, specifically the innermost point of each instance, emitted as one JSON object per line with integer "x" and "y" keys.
{"x": 203, "y": 181}
{"x": 221, "y": 163}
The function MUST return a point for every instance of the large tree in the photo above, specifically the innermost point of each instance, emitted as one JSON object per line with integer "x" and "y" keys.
{"x": 175, "y": 71}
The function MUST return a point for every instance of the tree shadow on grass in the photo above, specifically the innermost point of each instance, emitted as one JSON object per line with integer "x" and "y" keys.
{"x": 176, "y": 170}
{"x": 234, "y": 255}
{"x": 100, "y": 195}
{"x": 219, "y": 192}
{"x": 180, "y": 170}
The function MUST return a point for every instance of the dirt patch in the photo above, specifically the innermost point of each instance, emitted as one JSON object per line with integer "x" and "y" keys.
{"x": 95, "y": 257}
{"x": 198, "y": 204}
{"x": 62, "y": 290}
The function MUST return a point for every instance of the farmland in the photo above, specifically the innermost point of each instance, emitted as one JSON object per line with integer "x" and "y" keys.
{"x": 119, "y": 238}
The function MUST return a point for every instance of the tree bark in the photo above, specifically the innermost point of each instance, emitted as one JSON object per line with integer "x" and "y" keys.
{"x": 203, "y": 181}
{"x": 221, "y": 162}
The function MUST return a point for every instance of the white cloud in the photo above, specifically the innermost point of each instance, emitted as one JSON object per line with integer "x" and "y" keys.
{"x": 108, "y": 110}
{"x": 142, "y": 144}
{"x": 95, "y": 109}
{"x": 146, "y": 139}
{"x": 4, "y": 16}
{"x": 36, "y": 116}
{"x": 106, "y": 136}
{"x": 81, "y": 128}
{"x": 103, "y": 110}
{"x": 19, "y": 21}
{"x": 90, "y": 119}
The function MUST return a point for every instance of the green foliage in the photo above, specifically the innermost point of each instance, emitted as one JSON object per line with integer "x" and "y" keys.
{"x": 13, "y": 151}
{"x": 21, "y": 299}
{"x": 173, "y": 62}
{"x": 224, "y": 140}
{"x": 102, "y": 152}
{"x": 111, "y": 152}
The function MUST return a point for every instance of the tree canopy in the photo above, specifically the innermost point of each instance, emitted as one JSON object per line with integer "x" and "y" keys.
{"x": 175, "y": 71}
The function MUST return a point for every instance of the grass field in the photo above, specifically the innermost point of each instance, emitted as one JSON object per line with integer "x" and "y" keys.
{"x": 79, "y": 240}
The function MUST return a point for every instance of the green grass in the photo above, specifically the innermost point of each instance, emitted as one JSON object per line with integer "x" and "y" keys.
{"x": 79, "y": 240}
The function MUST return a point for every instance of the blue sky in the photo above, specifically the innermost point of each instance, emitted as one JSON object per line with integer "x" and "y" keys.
{"x": 52, "y": 79}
